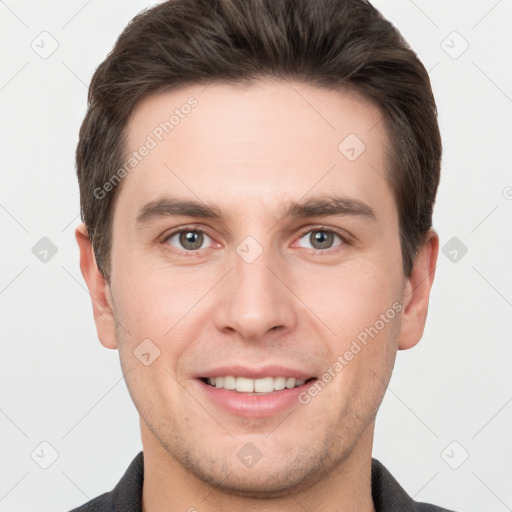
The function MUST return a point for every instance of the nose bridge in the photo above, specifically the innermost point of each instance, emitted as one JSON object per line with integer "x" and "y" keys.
{"x": 256, "y": 300}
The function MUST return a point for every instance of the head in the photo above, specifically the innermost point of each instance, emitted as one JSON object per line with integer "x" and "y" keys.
{"x": 289, "y": 124}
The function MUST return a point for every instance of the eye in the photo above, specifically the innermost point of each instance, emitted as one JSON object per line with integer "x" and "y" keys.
{"x": 322, "y": 239}
{"x": 188, "y": 239}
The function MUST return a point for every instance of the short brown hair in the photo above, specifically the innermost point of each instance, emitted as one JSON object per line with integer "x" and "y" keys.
{"x": 327, "y": 43}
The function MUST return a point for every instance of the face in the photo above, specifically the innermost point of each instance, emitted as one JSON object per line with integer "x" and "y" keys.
{"x": 256, "y": 243}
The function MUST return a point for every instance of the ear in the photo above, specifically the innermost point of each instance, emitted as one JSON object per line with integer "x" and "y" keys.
{"x": 417, "y": 293}
{"x": 98, "y": 290}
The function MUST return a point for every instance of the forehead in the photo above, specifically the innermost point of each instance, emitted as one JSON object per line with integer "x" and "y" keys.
{"x": 259, "y": 144}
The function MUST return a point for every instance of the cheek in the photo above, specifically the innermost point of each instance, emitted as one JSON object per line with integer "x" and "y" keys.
{"x": 159, "y": 313}
{"x": 350, "y": 297}
{"x": 152, "y": 300}
{"x": 360, "y": 305}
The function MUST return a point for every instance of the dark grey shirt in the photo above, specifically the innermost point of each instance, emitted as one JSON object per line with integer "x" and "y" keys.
{"x": 387, "y": 494}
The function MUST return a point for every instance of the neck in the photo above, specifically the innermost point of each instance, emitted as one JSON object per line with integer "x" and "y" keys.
{"x": 168, "y": 486}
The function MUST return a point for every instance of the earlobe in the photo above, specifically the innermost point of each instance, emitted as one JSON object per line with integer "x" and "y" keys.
{"x": 417, "y": 293}
{"x": 98, "y": 290}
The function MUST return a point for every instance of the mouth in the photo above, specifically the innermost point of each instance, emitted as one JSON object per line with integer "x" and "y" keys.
{"x": 260, "y": 386}
{"x": 262, "y": 397}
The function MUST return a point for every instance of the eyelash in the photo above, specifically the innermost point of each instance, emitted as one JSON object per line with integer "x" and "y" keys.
{"x": 315, "y": 252}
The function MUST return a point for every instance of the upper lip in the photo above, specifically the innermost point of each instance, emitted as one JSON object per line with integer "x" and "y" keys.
{"x": 256, "y": 373}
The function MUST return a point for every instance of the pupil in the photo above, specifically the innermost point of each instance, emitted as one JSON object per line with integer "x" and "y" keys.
{"x": 321, "y": 237}
{"x": 191, "y": 240}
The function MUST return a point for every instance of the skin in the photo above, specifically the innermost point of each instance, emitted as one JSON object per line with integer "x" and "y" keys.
{"x": 248, "y": 150}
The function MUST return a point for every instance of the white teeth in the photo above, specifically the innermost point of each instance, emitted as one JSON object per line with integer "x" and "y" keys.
{"x": 279, "y": 383}
{"x": 229, "y": 382}
{"x": 263, "y": 385}
{"x": 290, "y": 382}
{"x": 244, "y": 385}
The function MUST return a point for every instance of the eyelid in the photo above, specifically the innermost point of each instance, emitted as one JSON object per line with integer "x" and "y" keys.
{"x": 187, "y": 227}
{"x": 182, "y": 229}
{"x": 343, "y": 236}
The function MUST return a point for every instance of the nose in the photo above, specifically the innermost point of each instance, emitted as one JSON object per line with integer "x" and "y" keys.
{"x": 256, "y": 299}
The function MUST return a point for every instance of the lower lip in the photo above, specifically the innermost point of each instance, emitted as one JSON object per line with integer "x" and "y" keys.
{"x": 252, "y": 405}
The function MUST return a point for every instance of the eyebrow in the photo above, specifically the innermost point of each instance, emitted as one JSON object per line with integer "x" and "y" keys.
{"x": 322, "y": 206}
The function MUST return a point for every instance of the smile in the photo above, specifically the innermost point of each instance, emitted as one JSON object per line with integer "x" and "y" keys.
{"x": 262, "y": 397}
{"x": 263, "y": 385}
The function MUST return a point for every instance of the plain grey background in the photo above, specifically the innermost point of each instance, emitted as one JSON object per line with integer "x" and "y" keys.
{"x": 443, "y": 429}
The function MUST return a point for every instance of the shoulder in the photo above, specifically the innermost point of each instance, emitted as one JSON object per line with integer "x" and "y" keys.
{"x": 98, "y": 504}
{"x": 126, "y": 495}
{"x": 389, "y": 495}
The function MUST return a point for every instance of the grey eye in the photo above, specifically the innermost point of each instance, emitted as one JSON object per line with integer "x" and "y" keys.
{"x": 188, "y": 239}
{"x": 320, "y": 239}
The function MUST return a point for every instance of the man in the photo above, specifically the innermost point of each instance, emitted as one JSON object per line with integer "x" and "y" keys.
{"x": 257, "y": 181}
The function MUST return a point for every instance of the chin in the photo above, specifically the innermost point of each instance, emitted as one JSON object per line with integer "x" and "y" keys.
{"x": 264, "y": 483}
